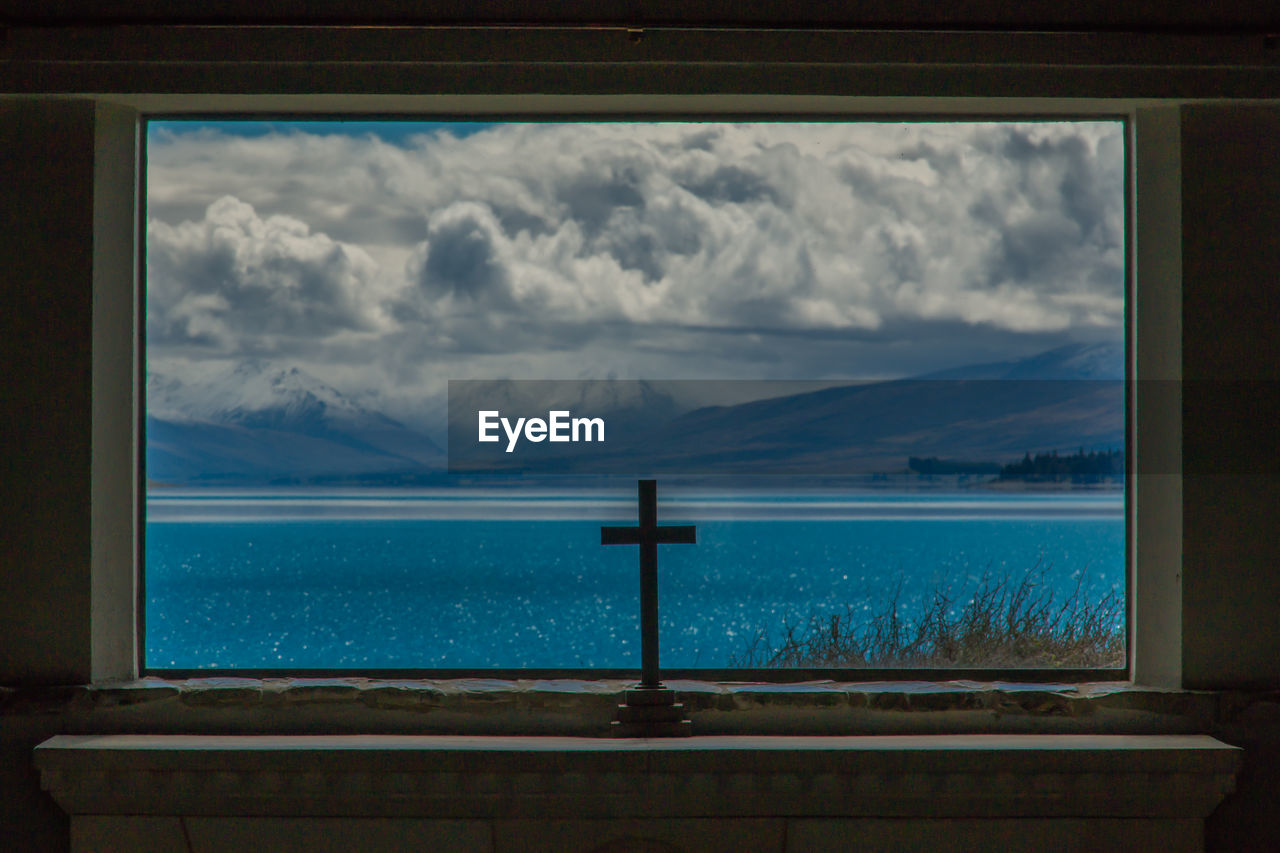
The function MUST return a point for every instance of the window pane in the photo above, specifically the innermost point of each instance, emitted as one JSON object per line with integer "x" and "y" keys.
{"x": 878, "y": 365}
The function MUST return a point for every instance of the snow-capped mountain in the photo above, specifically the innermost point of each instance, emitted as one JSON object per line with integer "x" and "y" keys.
{"x": 256, "y": 423}
{"x": 252, "y": 393}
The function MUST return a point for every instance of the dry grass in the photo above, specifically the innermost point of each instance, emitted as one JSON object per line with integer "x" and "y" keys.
{"x": 1006, "y": 624}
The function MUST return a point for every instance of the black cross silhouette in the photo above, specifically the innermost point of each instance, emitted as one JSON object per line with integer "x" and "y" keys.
{"x": 648, "y": 535}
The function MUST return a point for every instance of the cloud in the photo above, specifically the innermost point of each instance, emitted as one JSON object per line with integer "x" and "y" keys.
{"x": 234, "y": 281}
{"x": 459, "y": 259}
{"x": 863, "y": 248}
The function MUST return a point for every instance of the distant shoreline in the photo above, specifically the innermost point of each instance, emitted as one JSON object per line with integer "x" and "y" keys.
{"x": 870, "y": 483}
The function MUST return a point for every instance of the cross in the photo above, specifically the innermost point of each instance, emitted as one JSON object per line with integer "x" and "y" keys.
{"x": 648, "y": 535}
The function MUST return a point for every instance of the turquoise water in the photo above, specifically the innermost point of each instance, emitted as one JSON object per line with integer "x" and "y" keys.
{"x": 388, "y": 580}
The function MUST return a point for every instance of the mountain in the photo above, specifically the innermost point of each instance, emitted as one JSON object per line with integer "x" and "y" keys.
{"x": 1103, "y": 361}
{"x": 256, "y": 424}
{"x": 1063, "y": 399}
{"x": 875, "y": 428}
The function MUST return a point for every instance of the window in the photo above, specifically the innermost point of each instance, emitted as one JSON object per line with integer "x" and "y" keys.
{"x": 880, "y": 364}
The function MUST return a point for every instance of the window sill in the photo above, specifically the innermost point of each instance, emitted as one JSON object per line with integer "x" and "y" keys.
{"x": 577, "y": 708}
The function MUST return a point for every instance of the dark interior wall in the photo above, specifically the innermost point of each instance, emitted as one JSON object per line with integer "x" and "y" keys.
{"x": 46, "y": 309}
{"x": 1231, "y": 396}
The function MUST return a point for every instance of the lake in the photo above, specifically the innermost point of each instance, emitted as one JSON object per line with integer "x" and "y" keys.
{"x": 480, "y": 579}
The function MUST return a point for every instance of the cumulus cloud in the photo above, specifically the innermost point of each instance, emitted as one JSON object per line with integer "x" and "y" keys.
{"x": 460, "y": 260}
{"x": 862, "y": 248}
{"x": 234, "y": 280}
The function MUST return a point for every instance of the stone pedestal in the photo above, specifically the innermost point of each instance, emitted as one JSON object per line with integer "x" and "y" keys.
{"x": 651, "y": 712}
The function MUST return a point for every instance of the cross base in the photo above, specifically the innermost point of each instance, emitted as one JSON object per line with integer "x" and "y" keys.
{"x": 651, "y": 712}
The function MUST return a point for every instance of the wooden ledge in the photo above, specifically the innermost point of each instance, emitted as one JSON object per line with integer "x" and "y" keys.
{"x": 1113, "y": 776}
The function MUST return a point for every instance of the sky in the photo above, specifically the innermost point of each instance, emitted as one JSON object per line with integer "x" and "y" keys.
{"x": 388, "y": 258}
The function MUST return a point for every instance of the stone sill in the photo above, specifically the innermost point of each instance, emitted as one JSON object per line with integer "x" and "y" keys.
{"x": 479, "y": 706}
{"x": 519, "y": 777}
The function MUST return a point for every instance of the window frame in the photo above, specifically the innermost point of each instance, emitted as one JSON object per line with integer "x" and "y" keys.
{"x": 615, "y": 107}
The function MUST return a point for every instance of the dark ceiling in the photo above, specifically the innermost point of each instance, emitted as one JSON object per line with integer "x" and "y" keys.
{"x": 1185, "y": 16}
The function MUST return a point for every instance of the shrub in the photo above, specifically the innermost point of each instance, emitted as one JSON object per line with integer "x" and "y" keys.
{"x": 1005, "y": 624}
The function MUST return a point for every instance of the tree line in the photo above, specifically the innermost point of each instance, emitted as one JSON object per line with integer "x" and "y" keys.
{"x": 1051, "y": 466}
{"x": 1043, "y": 466}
